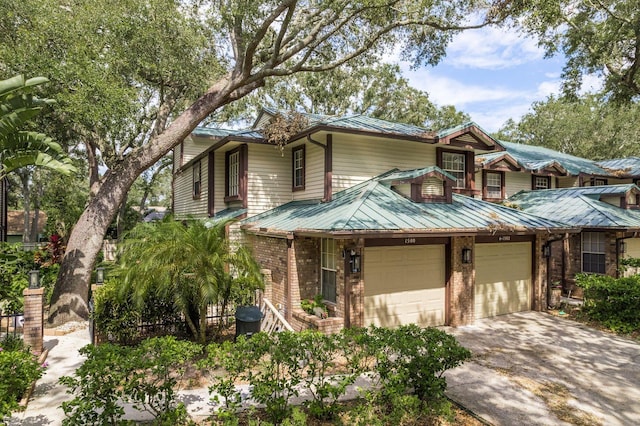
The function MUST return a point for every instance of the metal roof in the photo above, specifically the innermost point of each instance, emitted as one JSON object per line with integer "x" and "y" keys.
{"x": 463, "y": 126}
{"x": 223, "y": 133}
{"x": 629, "y": 166}
{"x": 535, "y": 157}
{"x": 226, "y": 214}
{"x": 373, "y": 206}
{"x": 579, "y": 207}
{"x": 412, "y": 174}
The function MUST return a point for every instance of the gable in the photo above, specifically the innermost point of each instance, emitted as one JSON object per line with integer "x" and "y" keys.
{"x": 469, "y": 137}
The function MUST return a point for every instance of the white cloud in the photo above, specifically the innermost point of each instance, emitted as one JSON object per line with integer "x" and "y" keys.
{"x": 492, "y": 48}
{"x": 447, "y": 91}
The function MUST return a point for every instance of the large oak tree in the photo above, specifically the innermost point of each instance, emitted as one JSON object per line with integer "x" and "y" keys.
{"x": 138, "y": 77}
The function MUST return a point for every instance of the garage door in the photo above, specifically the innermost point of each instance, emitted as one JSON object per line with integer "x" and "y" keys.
{"x": 633, "y": 247}
{"x": 404, "y": 285}
{"x": 503, "y": 278}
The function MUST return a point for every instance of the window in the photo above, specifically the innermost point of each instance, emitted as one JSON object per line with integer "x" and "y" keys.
{"x": 197, "y": 174}
{"x": 598, "y": 182}
{"x": 233, "y": 174}
{"x": 494, "y": 185}
{"x": 593, "y": 252}
{"x": 328, "y": 279}
{"x": 541, "y": 182}
{"x": 298, "y": 168}
{"x": 454, "y": 164}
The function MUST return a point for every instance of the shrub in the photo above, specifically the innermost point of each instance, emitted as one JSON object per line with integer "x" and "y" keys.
{"x": 19, "y": 368}
{"x": 613, "y": 302}
{"x": 113, "y": 375}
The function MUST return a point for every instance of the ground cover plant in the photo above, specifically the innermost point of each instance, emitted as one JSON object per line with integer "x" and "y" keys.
{"x": 19, "y": 368}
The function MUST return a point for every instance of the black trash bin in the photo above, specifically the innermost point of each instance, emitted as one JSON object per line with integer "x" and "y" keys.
{"x": 248, "y": 320}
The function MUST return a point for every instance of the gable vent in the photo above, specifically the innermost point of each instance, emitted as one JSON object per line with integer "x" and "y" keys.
{"x": 432, "y": 186}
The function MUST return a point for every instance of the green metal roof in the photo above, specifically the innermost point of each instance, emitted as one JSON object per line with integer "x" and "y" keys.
{"x": 373, "y": 206}
{"x": 536, "y": 157}
{"x": 226, "y": 214}
{"x": 580, "y": 207}
{"x": 412, "y": 174}
{"x": 446, "y": 132}
{"x": 622, "y": 166}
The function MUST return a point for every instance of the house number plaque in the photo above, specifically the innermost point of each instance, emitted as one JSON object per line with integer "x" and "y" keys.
{"x": 409, "y": 240}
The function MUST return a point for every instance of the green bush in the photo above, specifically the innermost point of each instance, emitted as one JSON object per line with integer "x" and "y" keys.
{"x": 19, "y": 368}
{"x": 118, "y": 317}
{"x": 145, "y": 376}
{"x": 406, "y": 366}
{"x": 613, "y": 302}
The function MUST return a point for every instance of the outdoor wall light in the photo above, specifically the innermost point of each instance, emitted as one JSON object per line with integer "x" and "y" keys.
{"x": 34, "y": 279}
{"x": 546, "y": 250}
{"x": 99, "y": 275}
{"x": 354, "y": 261}
{"x": 466, "y": 255}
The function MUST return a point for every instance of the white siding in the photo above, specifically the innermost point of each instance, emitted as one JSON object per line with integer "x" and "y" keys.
{"x": 404, "y": 189}
{"x": 613, "y": 200}
{"x": 357, "y": 158}
{"x": 194, "y": 146}
{"x": 269, "y": 178}
{"x": 314, "y": 174}
{"x": 568, "y": 182}
{"x": 516, "y": 182}
{"x": 184, "y": 204}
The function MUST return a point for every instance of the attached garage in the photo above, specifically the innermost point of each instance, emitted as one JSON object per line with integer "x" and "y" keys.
{"x": 404, "y": 285}
{"x": 633, "y": 247}
{"x": 503, "y": 278}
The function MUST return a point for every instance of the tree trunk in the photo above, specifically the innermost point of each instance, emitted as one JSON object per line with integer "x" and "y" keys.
{"x": 69, "y": 301}
{"x": 26, "y": 205}
{"x": 122, "y": 213}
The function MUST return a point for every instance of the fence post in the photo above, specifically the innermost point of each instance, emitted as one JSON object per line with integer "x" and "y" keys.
{"x": 34, "y": 319}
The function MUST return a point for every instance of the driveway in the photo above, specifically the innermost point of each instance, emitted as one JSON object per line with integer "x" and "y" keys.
{"x": 537, "y": 369}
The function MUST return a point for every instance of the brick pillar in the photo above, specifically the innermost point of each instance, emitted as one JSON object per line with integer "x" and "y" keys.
{"x": 34, "y": 319}
{"x": 461, "y": 283}
{"x": 268, "y": 284}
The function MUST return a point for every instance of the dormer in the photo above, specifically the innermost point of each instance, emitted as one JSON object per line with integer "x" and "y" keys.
{"x": 427, "y": 185}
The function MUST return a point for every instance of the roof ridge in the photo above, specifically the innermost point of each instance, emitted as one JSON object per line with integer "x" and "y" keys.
{"x": 596, "y": 204}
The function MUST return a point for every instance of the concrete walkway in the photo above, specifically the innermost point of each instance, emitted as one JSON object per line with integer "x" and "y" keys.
{"x": 528, "y": 368}
{"x": 63, "y": 360}
{"x": 536, "y": 369}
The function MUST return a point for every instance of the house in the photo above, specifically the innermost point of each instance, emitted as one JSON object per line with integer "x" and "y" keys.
{"x": 383, "y": 219}
{"x": 15, "y": 225}
{"x": 608, "y": 218}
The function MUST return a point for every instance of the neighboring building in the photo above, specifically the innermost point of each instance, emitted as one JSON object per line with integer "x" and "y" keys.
{"x": 382, "y": 219}
{"x": 15, "y": 226}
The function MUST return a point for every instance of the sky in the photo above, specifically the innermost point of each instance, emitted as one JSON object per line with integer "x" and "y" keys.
{"x": 491, "y": 74}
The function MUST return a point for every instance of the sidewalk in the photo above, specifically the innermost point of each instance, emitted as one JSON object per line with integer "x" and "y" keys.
{"x": 63, "y": 360}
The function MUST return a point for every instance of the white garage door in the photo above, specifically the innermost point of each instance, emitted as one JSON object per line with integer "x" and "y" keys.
{"x": 503, "y": 278}
{"x": 633, "y": 247}
{"x": 404, "y": 285}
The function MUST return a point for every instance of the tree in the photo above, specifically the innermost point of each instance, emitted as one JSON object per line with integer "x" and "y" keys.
{"x": 596, "y": 36}
{"x": 588, "y": 127}
{"x": 20, "y": 148}
{"x": 378, "y": 90}
{"x": 129, "y": 67}
{"x": 189, "y": 263}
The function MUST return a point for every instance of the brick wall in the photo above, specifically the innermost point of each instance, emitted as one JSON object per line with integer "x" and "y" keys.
{"x": 302, "y": 321}
{"x": 34, "y": 319}
{"x": 271, "y": 254}
{"x": 461, "y": 283}
{"x": 307, "y": 256}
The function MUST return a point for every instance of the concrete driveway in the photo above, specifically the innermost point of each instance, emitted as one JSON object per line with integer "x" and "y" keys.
{"x": 536, "y": 369}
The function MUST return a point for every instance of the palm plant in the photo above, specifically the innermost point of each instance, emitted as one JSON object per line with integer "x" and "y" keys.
{"x": 190, "y": 263}
{"x": 18, "y": 147}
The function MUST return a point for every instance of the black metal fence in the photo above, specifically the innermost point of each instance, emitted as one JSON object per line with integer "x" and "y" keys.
{"x": 11, "y": 324}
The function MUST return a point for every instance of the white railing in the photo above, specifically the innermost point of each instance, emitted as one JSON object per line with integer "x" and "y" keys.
{"x": 272, "y": 320}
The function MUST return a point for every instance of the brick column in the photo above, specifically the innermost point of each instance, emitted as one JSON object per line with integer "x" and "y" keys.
{"x": 34, "y": 319}
{"x": 461, "y": 283}
{"x": 540, "y": 282}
